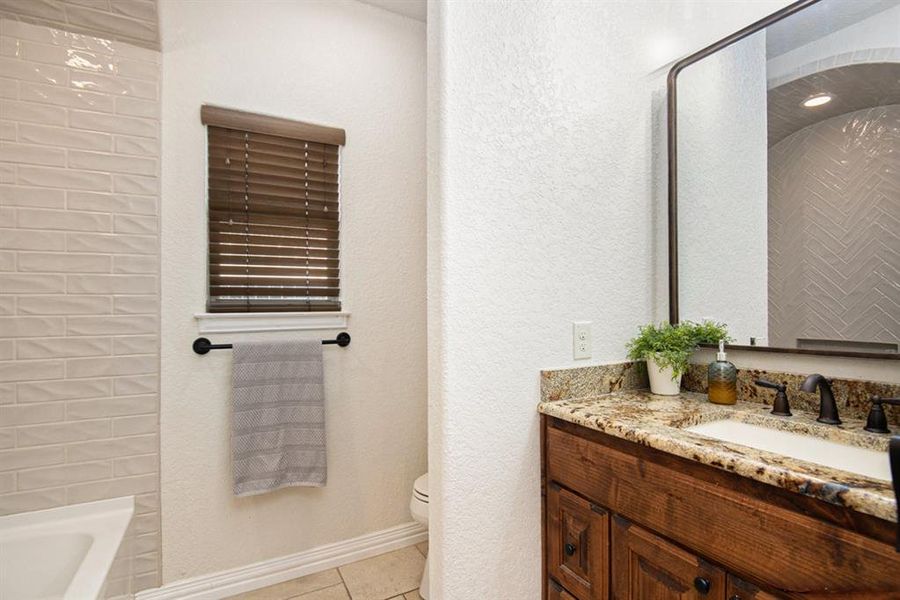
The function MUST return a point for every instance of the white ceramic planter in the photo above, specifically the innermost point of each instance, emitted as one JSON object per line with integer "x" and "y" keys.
{"x": 661, "y": 380}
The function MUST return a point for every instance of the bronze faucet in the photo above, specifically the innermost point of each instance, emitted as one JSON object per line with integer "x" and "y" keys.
{"x": 780, "y": 406}
{"x": 876, "y": 422}
{"x": 828, "y": 412}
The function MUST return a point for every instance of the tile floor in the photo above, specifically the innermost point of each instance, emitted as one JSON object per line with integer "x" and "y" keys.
{"x": 391, "y": 576}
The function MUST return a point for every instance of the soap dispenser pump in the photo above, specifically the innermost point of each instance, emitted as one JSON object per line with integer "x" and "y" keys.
{"x": 722, "y": 378}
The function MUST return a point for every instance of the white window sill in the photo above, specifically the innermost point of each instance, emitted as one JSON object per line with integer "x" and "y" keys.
{"x": 292, "y": 321}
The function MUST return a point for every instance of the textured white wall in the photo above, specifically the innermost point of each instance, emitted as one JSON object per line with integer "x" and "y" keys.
{"x": 722, "y": 189}
{"x": 541, "y": 211}
{"x": 338, "y": 63}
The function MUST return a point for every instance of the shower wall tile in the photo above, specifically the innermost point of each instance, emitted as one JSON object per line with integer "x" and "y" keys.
{"x": 62, "y": 433}
{"x": 112, "y": 448}
{"x": 65, "y": 475}
{"x": 136, "y": 145}
{"x": 30, "y": 240}
{"x": 37, "y": 500}
{"x": 64, "y": 305}
{"x": 31, "y": 197}
{"x": 135, "y": 344}
{"x": 69, "y": 263}
{"x": 62, "y": 347}
{"x": 133, "y": 425}
{"x": 70, "y": 138}
{"x": 16, "y": 327}
{"x": 112, "y": 284}
{"x": 832, "y": 229}
{"x": 114, "y": 244}
{"x": 21, "y": 458}
{"x": 116, "y": 203}
{"x": 68, "y": 220}
{"x": 133, "y": 22}
{"x": 15, "y": 283}
{"x": 68, "y": 179}
{"x": 79, "y": 268}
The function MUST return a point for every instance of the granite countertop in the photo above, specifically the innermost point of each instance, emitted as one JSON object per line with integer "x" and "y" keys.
{"x": 658, "y": 422}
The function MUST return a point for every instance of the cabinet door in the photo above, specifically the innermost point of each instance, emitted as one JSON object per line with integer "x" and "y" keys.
{"x": 741, "y": 590}
{"x": 578, "y": 544}
{"x": 556, "y": 592}
{"x": 647, "y": 567}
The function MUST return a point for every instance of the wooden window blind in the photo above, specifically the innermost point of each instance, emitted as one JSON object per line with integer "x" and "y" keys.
{"x": 274, "y": 213}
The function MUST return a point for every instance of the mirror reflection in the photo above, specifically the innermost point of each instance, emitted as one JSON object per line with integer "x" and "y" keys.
{"x": 789, "y": 182}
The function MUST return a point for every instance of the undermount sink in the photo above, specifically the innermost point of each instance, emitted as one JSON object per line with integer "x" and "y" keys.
{"x": 835, "y": 455}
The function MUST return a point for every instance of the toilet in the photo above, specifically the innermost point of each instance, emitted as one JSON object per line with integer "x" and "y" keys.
{"x": 418, "y": 506}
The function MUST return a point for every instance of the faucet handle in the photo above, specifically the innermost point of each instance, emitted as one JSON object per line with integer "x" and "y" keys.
{"x": 769, "y": 384}
{"x": 876, "y": 422}
{"x": 876, "y": 399}
{"x": 780, "y": 407}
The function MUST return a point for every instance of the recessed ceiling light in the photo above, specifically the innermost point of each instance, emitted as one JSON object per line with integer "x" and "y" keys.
{"x": 817, "y": 100}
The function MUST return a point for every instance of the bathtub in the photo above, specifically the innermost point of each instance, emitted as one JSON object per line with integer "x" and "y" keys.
{"x": 61, "y": 553}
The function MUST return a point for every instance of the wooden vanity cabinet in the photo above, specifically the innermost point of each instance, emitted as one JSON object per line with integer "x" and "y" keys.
{"x": 741, "y": 590}
{"x": 627, "y": 522}
{"x": 578, "y": 544}
{"x": 645, "y": 566}
{"x": 556, "y": 592}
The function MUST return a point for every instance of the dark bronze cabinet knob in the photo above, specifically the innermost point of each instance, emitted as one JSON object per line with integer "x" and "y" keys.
{"x": 702, "y": 585}
{"x": 570, "y": 549}
{"x": 735, "y": 597}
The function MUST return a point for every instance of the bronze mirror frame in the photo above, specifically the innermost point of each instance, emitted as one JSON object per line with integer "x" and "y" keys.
{"x": 672, "y": 151}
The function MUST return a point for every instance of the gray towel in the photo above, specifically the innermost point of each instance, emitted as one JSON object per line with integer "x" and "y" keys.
{"x": 278, "y": 416}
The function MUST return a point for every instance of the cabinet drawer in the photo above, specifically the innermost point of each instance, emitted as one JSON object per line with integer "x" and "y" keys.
{"x": 578, "y": 544}
{"x": 556, "y": 592}
{"x": 647, "y": 566}
{"x": 741, "y": 590}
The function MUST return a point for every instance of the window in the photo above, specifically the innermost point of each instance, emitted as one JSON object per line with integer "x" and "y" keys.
{"x": 274, "y": 213}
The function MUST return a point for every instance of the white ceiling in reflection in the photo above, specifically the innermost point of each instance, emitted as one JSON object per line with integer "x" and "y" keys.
{"x": 819, "y": 20}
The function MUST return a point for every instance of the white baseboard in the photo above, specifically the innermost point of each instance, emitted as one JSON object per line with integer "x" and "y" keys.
{"x": 269, "y": 572}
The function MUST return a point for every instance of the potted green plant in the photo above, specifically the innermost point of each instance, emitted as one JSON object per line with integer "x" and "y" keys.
{"x": 667, "y": 349}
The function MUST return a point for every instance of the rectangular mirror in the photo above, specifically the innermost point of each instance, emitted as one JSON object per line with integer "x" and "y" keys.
{"x": 784, "y": 181}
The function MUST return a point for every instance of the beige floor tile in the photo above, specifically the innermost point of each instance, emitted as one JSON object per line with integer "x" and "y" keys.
{"x": 423, "y": 547}
{"x": 413, "y": 595}
{"x": 383, "y": 577}
{"x": 335, "y": 592}
{"x": 295, "y": 587}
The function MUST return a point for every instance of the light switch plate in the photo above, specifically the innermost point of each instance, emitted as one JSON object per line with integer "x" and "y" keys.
{"x": 581, "y": 339}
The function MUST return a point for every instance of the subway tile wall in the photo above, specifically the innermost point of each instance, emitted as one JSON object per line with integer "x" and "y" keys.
{"x": 79, "y": 280}
{"x": 132, "y": 21}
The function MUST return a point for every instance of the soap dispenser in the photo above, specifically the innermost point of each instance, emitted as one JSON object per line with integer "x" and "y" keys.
{"x": 722, "y": 376}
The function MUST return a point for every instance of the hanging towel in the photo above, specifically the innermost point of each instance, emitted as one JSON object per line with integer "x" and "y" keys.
{"x": 278, "y": 416}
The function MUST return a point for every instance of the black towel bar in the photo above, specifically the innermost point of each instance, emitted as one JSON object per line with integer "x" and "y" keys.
{"x": 202, "y": 345}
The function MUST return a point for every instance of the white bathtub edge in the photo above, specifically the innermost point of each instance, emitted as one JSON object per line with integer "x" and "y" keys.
{"x": 116, "y": 514}
{"x": 65, "y": 513}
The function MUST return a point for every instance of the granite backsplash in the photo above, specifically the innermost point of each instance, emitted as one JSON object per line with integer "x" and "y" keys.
{"x": 580, "y": 382}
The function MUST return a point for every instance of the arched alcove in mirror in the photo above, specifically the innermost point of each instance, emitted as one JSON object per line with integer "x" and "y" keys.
{"x": 785, "y": 181}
